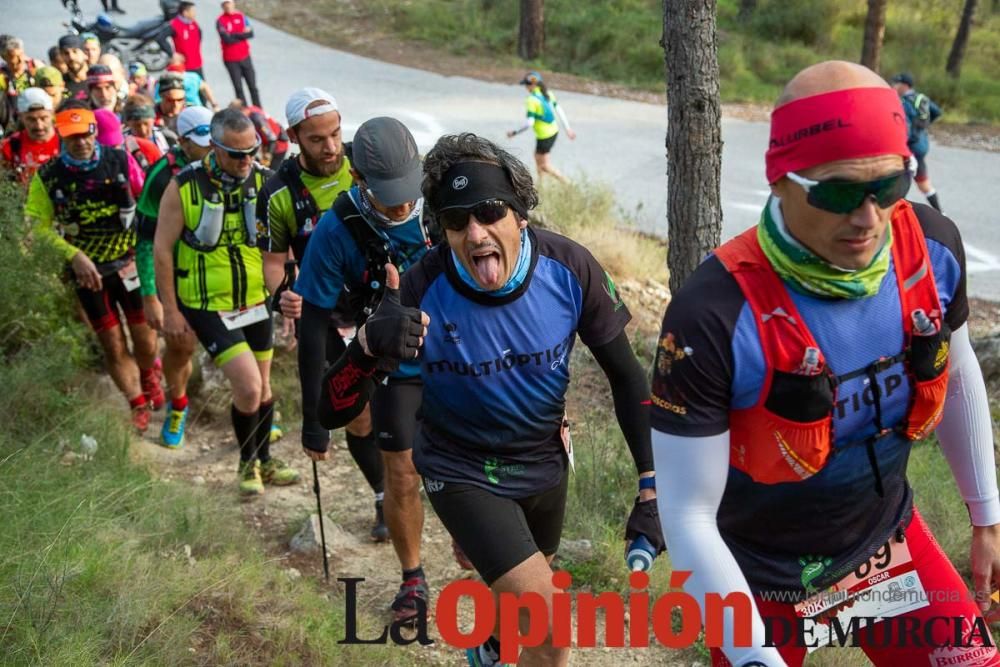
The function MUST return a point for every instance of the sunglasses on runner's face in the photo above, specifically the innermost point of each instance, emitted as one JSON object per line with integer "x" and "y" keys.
{"x": 235, "y": 154}
{"x": 199, "y": 131}
{"x": 486, "y": 212}
{"x": 842, "y": 197}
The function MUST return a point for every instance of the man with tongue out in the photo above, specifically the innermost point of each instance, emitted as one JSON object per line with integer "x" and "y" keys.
{"x": 504, "y": 303}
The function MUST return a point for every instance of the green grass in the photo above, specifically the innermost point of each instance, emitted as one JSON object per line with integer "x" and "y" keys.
{"x": 94, "y": 565}
{"x": 619, "y": 41}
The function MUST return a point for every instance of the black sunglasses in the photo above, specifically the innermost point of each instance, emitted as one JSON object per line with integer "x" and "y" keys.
{"x": 842, "y": 197}
{"x": 238, "y": 154}
{"x": 486, "y": 212}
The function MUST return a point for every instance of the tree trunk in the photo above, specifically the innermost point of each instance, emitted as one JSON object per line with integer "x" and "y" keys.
{"x": 531, "y": 36}
{"x": 694, "y": 135}
{"x": 871, "y": 47}
{"x": 954, "y": 67}
{"x": 747, "y": 8}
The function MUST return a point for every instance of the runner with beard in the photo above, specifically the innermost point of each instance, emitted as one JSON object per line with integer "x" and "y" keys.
{"x": 290, "y": 206}
{"x": 75, "y": 77}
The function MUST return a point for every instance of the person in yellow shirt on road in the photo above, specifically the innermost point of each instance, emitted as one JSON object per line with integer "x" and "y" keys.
{"x": 544, "y": 116}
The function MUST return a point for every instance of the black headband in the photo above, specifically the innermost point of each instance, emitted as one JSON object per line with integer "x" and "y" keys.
{"x": 468, "y": 183}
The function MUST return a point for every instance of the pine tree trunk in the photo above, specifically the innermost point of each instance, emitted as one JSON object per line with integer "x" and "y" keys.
{"x": 694, "y": 135}
{"x": 954, "y": 67}
{"x": 871, "y": 47}
{"x": 531, "y": 36}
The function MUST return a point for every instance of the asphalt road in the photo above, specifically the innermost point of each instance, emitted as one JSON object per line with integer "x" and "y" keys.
{"x": 620, "y": 143}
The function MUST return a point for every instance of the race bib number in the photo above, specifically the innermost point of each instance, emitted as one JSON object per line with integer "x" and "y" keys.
{"x": 237, "y": 319}
{"x": 130, "y": 277}
{"x": 886, "y": 585}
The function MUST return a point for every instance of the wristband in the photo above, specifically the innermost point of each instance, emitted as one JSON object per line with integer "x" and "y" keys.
{"x": 647, "y": 483}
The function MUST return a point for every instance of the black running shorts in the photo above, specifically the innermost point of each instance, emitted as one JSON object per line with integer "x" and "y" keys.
{"x": 224, "y": 344}
{"x": 498, "y": 533}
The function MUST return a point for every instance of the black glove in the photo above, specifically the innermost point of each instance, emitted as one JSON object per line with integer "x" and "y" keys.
{"x": 394, "y": 330}
{"x": 645, "y": 520}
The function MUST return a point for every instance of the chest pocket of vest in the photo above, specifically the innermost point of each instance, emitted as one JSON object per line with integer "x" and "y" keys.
{"x": 206, "y": 235}
{"x": 797, "y": 422}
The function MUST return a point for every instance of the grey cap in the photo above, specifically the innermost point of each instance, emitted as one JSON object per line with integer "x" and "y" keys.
{"x": 386, "y": 154}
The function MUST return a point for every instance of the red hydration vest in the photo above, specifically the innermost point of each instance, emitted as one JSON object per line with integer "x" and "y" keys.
{"x": 234, "y": 24}
{"x": 787, "y": 436}
{"x": 187, "y": 41}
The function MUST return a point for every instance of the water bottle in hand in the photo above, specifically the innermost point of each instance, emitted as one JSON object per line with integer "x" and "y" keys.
{"x": 640, "y": 555}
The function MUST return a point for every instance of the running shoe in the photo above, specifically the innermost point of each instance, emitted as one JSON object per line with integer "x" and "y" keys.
{"x": 140, "y": 417}
{"x": 380, "y": 532}
{"x": 277, "y": 472}
{"x": 276, "y": 433}
{"x": 152, "y": 389}
{"x": 484, "y": 656}
{"x": 413, "y": 594}
{"x": 172, "y": 433}
{"x": 250, "y": 482}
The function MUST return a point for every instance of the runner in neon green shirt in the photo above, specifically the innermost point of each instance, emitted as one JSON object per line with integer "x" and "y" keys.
{"x": 544, "y": 116}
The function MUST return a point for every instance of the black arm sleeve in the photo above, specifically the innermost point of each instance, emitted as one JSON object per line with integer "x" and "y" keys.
{"x": 227, "y": 37}
{"x": 312, "y": 356}
{"x": 630, "y": 391}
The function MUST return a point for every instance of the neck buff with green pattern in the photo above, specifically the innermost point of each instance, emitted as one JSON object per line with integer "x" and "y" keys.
{"x": 807, "y": 273}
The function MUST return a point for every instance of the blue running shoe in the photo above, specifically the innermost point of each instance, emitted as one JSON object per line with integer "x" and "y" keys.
{"x": 172, "y": 433}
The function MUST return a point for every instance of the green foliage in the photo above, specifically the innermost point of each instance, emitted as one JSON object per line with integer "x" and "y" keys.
{"x": 620, "y": 42}
{"x": 808, "y": 22}
{"x": 102, "y": 563}
{"x": 34, "y": 304}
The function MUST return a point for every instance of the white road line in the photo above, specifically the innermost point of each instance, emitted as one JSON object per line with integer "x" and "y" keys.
{"x": 980, "y": 261}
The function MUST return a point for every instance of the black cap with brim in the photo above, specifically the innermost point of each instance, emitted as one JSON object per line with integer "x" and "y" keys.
{"x": 397, "y": 191}
{"x": 903, "y": 77}
{"x": 70, "y": 42}
{"x": 386, "y": 155}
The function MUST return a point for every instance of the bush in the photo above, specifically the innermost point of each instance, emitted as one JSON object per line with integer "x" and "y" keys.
{"x": 807, "y": 21}
{"x": 34, "y": 304}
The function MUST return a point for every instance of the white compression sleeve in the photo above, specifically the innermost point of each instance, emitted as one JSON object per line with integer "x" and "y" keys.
{"x": 966, "y": 432}
{"x": 691, "y": 477}
{"x": 561, "y": 115}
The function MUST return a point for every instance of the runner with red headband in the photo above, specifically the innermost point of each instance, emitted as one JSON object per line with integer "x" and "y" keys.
{"x": 796, "y": 369}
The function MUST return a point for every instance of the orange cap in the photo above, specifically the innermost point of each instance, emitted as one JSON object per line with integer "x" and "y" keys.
{"x": 75, "y": 121}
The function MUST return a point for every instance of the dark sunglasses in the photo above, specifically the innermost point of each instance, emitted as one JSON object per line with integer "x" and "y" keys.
{"x": 487, "y": 212}
{"x": 238, "y": 154}
{"x": 842, "y": 197}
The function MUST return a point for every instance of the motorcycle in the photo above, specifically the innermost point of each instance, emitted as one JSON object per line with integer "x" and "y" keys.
{"x": 147, "y": 41}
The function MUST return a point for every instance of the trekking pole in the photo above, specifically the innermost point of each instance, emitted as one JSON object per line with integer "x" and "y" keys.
{"x": 322, "y": 532}
{"x": 289, "y": 283}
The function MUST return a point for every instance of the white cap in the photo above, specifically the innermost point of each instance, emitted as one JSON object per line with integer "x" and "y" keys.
{"x": 33, "y": 99}
{"x": 296, "y": 109}
{"x": 195, "y": 123}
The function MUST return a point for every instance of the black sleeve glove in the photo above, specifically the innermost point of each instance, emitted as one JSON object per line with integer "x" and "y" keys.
{"x": 645, "y": 520}
{"x": 346, "y": 388}
{"x": 394, "y": 330}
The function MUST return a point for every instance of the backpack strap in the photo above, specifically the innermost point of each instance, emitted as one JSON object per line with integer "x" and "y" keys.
{"x": 376, "y": 251}
{"x": 303, "y": 203}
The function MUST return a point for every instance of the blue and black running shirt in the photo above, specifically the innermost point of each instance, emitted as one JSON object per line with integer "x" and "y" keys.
{"x": 710, "y": 361}
{"x": 496, "y": 369}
